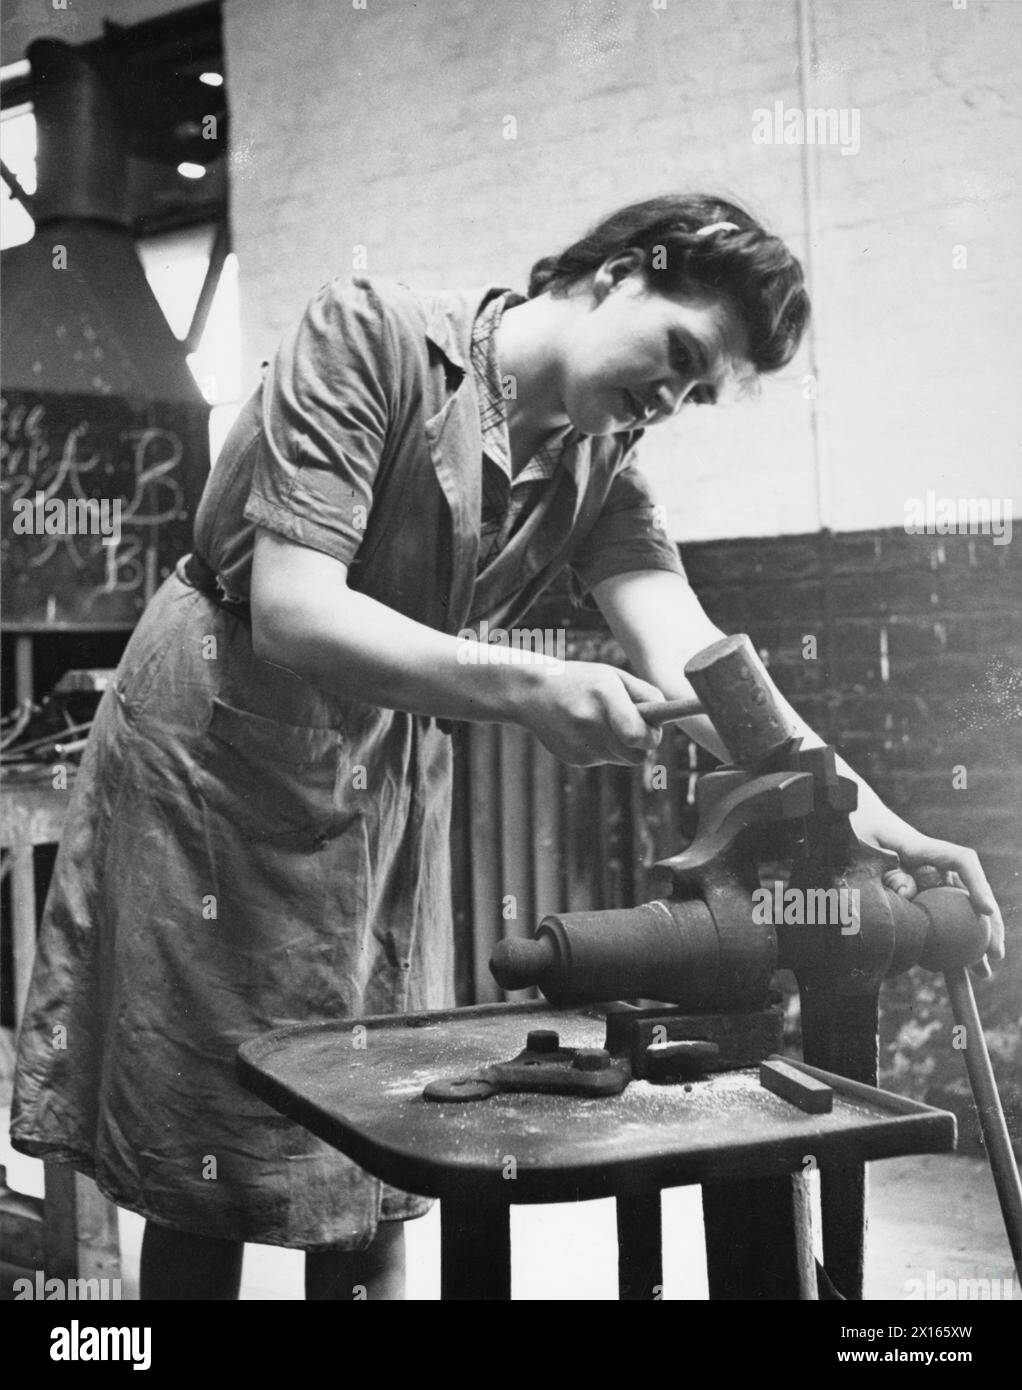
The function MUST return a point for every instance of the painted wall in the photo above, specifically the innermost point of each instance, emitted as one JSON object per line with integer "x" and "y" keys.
{"x": 74, "y": 21}
{"x": 384, "y": 128}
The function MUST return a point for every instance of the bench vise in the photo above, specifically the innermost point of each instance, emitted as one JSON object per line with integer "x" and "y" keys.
{"x": 775, "y": 878}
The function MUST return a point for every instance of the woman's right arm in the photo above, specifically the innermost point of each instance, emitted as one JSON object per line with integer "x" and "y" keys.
{"x": 305, "y": 617}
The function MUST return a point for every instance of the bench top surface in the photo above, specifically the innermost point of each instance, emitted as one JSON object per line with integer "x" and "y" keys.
{"x": 362, "y": 1093}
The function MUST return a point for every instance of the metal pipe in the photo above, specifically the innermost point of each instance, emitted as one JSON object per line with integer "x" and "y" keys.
{"x": 17, "y": 191}
{"x": 83, "y": 152}
{"x": 49, "y": 741}
{"x": 484, "y": 849}
{"x": 813, "y": 262}
{"x": 210, "y": 284}
{"x": 989, "y": 1109}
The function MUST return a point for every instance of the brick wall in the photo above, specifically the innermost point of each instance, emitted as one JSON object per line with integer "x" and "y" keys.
{"x": 917, "y": 679}
{"x": 917, "y": 672}
{"x": 918, "y": 668}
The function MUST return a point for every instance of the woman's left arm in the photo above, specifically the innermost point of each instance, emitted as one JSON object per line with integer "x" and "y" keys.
{"x": 660, "y": 623}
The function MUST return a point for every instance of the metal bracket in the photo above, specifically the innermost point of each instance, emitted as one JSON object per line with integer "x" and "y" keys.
{"x": 543, "y": 1066}
{"x": 651, "y": 1044}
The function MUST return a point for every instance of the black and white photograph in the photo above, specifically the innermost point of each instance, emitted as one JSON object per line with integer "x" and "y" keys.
{"x": 511, "y": 709}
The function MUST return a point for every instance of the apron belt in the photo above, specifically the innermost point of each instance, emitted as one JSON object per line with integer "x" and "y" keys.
{"x": 193, "y": 571}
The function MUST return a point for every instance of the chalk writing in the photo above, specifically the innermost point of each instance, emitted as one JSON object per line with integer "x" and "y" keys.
{"x": 73, "y": 448}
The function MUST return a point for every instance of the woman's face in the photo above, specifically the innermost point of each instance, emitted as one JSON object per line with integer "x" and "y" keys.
{"x": 637, "y": 356}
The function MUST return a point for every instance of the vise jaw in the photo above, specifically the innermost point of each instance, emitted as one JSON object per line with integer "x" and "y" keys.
{"x": 703, "y": 945}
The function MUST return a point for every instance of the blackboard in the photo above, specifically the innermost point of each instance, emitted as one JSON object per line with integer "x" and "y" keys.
{"x": 142, "y": 462}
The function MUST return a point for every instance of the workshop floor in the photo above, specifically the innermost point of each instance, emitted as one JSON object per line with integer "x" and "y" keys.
{"x": 933, "y": 1217}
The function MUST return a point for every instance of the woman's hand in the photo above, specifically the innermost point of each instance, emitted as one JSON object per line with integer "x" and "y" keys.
{"x": 584, "y": 713}
{"x": 928, "y": 863}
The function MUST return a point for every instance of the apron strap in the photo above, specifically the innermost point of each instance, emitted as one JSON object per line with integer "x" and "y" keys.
{"x": 197, "y": 574}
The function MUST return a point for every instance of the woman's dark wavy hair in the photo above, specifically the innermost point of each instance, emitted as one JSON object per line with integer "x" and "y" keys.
{"x": 752, "y": 268}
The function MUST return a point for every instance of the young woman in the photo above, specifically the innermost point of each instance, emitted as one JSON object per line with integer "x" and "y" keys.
{"x": 259, "y": 831}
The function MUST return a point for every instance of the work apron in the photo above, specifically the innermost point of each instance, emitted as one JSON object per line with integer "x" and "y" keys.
{"x": 241, "y": 852}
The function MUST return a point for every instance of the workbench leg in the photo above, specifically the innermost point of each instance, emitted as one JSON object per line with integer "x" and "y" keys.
{"x": 843, "y": 1222}
{"x": 759, "y": 1239}
{"x": 640, "y": 1265}
{"x": 840, "y": 1034}
{"x": 80, "y": 1235}
{"x": 475, "y": 1250}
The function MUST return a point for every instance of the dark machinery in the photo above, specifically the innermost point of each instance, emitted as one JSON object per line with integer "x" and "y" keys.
{"x": 776, "y": 878}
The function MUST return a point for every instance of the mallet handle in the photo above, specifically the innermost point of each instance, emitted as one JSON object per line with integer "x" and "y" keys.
{"x": 658, "y": 712}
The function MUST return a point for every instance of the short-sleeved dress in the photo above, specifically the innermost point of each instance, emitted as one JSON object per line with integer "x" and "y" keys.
{"x": 244, "y": 850}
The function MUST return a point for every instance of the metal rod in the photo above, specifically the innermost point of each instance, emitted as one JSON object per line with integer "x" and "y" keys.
{"x": 10, "y": 178}
{"x": 49, "y": 741}
{"x": 210, "y": 283}
{"x": 814, "y": 263}
{"x": 515, "y": 912}
{"x": 18, "y": 725}
{"x": 989, "y": 1109}
{"x": 24, "y": 670}
{"x": 547, "y": 830}
{"x": 484, "y": 855}
{"x": 24, "y": 925}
